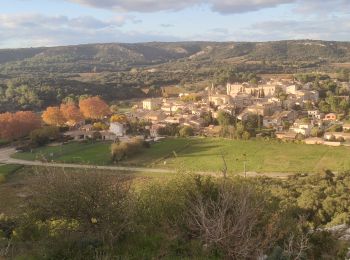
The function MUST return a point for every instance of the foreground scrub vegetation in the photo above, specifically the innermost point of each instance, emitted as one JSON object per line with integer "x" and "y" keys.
{"x": 81, "y": 215}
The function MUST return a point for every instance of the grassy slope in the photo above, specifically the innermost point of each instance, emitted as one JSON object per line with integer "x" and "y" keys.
{"x": 262, "y": 156}
{"x": 99, "y": 153}
{"x": 205, "y": 155}
{"x": 84, "y": 153}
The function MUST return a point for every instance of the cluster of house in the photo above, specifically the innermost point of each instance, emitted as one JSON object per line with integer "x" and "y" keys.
{"x": 274, "y": 100}
{"x": 239, "y": 99}
{"x": 163, "y": 111}
{"x": 320, "y": 122}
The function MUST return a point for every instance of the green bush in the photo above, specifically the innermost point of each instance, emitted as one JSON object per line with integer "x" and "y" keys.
{"x": 122, "y": 150}
{"x": 42, "y": 136}
{"x": 186, "y": 131}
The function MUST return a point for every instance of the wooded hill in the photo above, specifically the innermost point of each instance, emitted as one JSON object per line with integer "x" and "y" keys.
{"x": 34, "y": 78}
{"x": 116, "y": 56}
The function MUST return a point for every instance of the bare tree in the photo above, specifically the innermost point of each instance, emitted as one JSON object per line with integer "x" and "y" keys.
{"x": 231, "y": 220}
{"x": 5, "y": 248}
{"x": 296, "y": 247}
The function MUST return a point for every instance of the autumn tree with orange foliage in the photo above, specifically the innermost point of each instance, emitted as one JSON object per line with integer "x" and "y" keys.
{"x": 71, "y": 113}
{"x": 53, "y": 116}
{"x": 94, "y": 108}
{"x": 17, "y": 125}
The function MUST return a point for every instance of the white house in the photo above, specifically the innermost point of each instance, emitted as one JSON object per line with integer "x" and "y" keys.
{"x": 118, "y": 129}
{"x": 292, "y": 89}
{"x": 315, "y": 114}
{"x": 346, "y": 127}
{"x": 151, "y": 104}
{"x": 302, "y": 127}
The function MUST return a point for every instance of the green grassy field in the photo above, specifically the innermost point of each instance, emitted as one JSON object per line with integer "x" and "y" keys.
{"x": 6, "y": 170}
{"x": 74, "y": 152}
{"x": 99, "y": 153}
{"x": 158, "y": 152}
{"x": 261, "y": 156}
{"x": 204, "y": 154}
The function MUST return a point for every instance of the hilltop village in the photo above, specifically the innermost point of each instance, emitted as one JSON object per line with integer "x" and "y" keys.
{"x": 285, "y": 109}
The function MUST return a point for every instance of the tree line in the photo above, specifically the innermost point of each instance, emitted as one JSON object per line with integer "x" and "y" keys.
{"x": 20, "y": 124}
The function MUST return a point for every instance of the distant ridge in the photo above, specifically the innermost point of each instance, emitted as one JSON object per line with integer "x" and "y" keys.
{"x": 133, "y": 54}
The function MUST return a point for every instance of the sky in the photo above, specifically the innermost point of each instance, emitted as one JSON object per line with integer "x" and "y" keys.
{"x": 34, "y": 23}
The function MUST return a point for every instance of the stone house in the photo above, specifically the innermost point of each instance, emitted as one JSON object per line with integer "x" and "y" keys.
{"x": 277, "y": 119}
{"x": 117, "y": 128}
{"x": 264, "y": 109}
{"x": 219, "y": 100}
{"x": 151, "y": 104}
{"x": 155, "y": 116}
{"x": 302, "y": 127}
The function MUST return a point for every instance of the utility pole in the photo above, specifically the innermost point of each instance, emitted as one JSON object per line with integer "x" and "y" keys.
{"x": 224, "y": 169}
{"x": 245, "y": 170}
{"x": 245, "y": 165}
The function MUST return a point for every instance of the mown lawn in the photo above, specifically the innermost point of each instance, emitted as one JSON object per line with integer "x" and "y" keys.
{"x": 159, "y": 152}
{"x": 74, "y": 152}
{"x": 260, "y": 156}
{"x": 99, "y": 153}
{"x": 204, "y": 154}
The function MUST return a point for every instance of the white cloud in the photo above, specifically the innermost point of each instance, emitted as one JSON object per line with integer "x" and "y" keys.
{"x": 38, "y": 30}
{"x": 41, "y": 21}
{"x": 220, "y": 6}
{"x": 323, "y": 7}
{"x": 24, "y": 30}
{"x": 139, "y": 5}
{"x": 326, "y": 29}
{"x": 243, "y": 6}
{"x": 167, "y": 25}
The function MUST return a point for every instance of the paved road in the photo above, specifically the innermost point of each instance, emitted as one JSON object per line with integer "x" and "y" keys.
{"x": 5, "y": 158}
{"x": 5, "y": 154}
